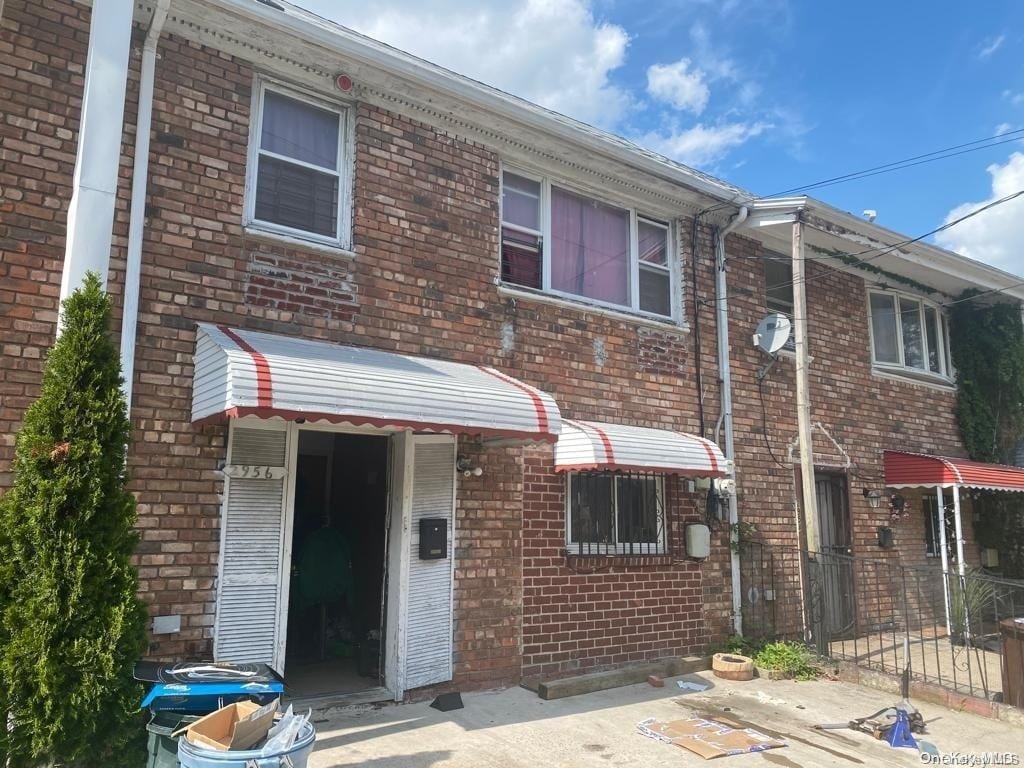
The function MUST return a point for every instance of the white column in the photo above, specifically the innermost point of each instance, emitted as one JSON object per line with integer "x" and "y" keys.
{"x": 940, "y": 502}
{"x": 91, "y": 211}
{"x": 961, "y": 566}
{"x": 803, "y": 399}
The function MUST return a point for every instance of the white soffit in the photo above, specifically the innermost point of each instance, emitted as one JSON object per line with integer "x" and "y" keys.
{"x": 240, "y": 373}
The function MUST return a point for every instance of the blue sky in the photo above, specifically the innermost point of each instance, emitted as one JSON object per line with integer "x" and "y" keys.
{"x": 768, "y": 94}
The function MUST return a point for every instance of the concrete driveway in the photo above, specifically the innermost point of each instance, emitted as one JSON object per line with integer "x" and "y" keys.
{"x": 515, "y": 728}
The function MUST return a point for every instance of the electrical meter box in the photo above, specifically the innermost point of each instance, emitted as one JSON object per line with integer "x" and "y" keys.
{"x": 698, "y": 541}
{"x": 433, "y": 538}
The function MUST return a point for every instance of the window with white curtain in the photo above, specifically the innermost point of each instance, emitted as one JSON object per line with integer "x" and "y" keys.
{"x": 909, "y": 334}
{"x": 569, "y": 244}
{"x": 298, "y": 154}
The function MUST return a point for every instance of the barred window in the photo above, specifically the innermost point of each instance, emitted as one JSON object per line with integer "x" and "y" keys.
{"x": 616, "y": 513}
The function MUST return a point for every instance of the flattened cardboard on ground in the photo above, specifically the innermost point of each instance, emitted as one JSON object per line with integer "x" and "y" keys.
{"x": 237, "y": 726}
{"x": 711, "y": 739}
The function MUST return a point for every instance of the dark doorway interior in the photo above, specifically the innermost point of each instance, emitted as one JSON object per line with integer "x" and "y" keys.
{"x": 836, "y": 564}
{"x": 337, "y": 569}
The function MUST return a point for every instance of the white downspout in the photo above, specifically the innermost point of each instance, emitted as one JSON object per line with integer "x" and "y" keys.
{"x": 725, "y": 378}
{"x": 137, "y": 210}
{"x": 90, "y": 220}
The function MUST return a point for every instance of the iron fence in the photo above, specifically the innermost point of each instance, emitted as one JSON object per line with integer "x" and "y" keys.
{"x": 883, "y": 615}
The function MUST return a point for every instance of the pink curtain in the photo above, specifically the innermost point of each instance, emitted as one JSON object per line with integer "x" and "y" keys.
{"x": 589, "y": 248}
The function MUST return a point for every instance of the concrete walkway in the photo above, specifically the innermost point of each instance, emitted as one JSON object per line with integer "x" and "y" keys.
{"x": 515, "y": 728}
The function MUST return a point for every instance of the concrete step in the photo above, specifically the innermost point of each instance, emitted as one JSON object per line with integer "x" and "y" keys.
{"x": 616, "y": 678}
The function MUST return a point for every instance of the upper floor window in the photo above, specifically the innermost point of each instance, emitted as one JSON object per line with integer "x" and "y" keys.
{"x": 297, "y": 184}
{"x": 616, "y": 513}
{"x": 909, "y": 333}
{"x": 560, "y": 241}
{"x": 778, "y": 284}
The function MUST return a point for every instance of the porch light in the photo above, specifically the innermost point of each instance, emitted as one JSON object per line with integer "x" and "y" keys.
{"x": 874, "y": 497}
{"x": 465, "y": 466}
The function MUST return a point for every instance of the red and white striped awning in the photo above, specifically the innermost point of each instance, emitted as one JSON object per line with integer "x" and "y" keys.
{"x": 919, "y": 470}
{"x": 589, "y": 445}
{"x": 240, "y": 373}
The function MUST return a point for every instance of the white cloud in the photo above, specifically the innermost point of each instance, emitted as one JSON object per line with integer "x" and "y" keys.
{"x": 990, "y": 46}
{"x": 702, "y": 145}
{"x": 1015, "y": 99}
{"x": 679, "y": 84}
{"x": 1004, "y": 128}
{"x": 555, "y": 53}
{"x": 997, "y": 235}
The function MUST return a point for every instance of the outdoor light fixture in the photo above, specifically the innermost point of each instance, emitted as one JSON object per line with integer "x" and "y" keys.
{"x": 874, "y": 497}
{"x": 465, "y": 466}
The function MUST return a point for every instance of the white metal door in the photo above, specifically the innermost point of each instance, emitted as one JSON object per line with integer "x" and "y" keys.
{"x": 249, "y": 591}
{"x": 428, "y": 598}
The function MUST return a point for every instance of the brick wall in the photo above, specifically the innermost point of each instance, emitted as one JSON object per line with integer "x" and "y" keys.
{"x": 420, "y": 280}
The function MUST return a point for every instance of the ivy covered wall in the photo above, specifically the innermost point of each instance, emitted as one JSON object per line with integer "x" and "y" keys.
{"x": 988, "y": 353}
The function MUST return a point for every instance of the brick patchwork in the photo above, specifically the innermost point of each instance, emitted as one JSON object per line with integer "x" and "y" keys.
{"x": 420, "y": 280}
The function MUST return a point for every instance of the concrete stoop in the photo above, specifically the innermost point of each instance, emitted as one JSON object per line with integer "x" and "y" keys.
{"x": 934, "y": 694}
{"x": 616, "y": 678}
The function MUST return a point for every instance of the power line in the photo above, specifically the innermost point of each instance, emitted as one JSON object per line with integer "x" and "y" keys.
{"x": 896, "y": 165}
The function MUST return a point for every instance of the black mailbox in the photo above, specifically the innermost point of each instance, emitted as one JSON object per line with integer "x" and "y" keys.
{"x": 885, "y": 537}
{"x": 433, "y": 538}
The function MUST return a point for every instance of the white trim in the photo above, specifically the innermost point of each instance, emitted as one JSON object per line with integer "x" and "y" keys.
{"x": 398, "y": 564}
{"x": 905, "y": 377}
{"x": 344, "y": 171}
{"x": 635, "y": 212}
{"x": 580, "y": 305}
{"x": 620, "y": 548}
{"x": 285, "y": 578}
{"x": 899, "y": 369}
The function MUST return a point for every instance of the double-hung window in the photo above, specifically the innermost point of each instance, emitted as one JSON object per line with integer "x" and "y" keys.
{"x": 566, "y": 243}
{"x": 297, "y": 184}
{"x": 615, "y": 513}
{"x": 909, "y": 334}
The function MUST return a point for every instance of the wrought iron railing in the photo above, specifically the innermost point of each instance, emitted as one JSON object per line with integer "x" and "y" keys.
{"x": 616, "y": 513}
{"x": 884, "y": 615}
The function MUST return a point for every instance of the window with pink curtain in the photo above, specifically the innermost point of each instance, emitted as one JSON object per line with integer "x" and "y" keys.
{"x": 589, "y": 248}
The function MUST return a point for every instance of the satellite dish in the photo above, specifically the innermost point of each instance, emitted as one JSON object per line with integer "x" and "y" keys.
{"x": 772, "y": 333}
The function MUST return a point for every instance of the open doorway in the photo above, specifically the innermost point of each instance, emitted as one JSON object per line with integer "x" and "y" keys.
{"x": 334, "y": 642}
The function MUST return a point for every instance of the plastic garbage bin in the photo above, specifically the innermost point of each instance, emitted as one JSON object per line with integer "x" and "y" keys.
{"x": 296, "y": 756}
{"x": 163, "y": 748}
{"x": 1012, "y": 633}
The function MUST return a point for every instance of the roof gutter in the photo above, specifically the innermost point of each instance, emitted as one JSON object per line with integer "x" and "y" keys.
{"x": 137, "y": 211}
{"x": 351, "y": 44}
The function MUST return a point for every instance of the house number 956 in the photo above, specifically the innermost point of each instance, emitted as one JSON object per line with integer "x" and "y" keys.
{"x": 254, "y": 472}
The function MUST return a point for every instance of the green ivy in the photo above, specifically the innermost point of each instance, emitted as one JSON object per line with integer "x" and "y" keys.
{"x": 868, "y": 266}
{"x": 988, "y": 353}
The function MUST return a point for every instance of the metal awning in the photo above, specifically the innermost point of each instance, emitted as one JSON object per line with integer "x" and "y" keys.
{"x": 589, "y": 445}
{"x": 240, "y": 373}
{"x": 919, "y": 470}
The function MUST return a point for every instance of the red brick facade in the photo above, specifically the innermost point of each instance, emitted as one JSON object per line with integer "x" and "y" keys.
{"x": 420, "y": 280}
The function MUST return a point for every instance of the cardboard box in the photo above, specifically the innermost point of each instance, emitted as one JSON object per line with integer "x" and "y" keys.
{"x": 237, "y": 726}
{"x": 711, "y": 738}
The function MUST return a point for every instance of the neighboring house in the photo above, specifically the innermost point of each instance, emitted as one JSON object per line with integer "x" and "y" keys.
{"x": 421, "y": 374}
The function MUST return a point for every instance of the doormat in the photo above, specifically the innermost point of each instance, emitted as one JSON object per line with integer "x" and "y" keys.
{"x": 708, "y": 738}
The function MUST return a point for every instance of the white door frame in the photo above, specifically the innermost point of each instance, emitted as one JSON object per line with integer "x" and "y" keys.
{"x": 284, "y": 580}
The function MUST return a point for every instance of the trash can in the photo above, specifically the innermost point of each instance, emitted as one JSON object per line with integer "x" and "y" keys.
{"x": 1011, "y": 632}
{"x": 163, "y": 748}
{"x": 296, "y": 756}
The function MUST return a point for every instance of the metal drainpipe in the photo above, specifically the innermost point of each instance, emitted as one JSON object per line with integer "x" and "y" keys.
{"x": 137, "y": 214}
{"x": 725, "y": 378}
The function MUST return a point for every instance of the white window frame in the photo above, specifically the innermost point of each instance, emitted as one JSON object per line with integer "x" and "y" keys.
{"x": 619, "y": 548}
{"x": 635, "y": 215}
{"x": 345, "y": 160}
{"x": 946, "y": 372}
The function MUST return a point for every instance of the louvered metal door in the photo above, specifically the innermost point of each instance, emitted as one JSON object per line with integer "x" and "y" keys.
{"x": 428, "y": 653}
{"x": 252, "y": 536}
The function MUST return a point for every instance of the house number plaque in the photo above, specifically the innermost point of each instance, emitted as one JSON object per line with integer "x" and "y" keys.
{"x": 253, "y": 472}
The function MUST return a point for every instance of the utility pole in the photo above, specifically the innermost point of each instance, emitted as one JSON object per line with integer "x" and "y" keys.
{"x": 803, "y": 399}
